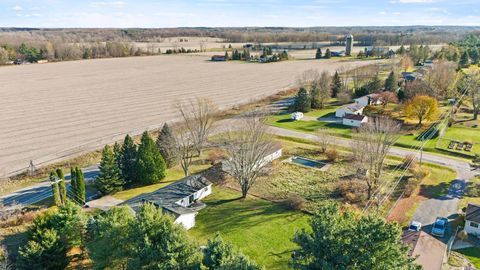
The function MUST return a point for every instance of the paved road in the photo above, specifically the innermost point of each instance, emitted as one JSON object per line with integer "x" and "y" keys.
{"x": 41, "y": 191}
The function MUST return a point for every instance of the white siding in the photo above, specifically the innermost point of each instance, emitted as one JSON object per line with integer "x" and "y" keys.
{"x": 354, "y": 123}
{"x": 340, "y": 112}
{"x": 471, "y": 229}
{"x": 187, "y": 220}
{"x": 203, "y": 192}
{"x": 362, "y": 101}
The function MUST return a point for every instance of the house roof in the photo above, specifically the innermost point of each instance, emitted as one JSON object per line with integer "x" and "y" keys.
{"x": 427, "y": 249}
{"x": 354, "y": 107}
{"x": 473, "y": 213}
{"x": 167, "y": 197}
{"x": 355, "y": 117}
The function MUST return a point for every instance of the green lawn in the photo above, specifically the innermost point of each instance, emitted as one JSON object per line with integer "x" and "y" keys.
{"x": 284, "y": 121}
{"x": 261, "y": 229}
{"x": 472, "y": 254}
{"x": 461, "y": 134}
{"x": 328, "y": 111}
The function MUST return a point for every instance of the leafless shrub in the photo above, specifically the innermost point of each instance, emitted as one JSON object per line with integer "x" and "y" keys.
{"x": 353, "y": 191}
{"x": 325, "y": 139}
{"x": 295, "y": 202}
{"x": 332, "y": 154}
{"x": 409, "y": 160}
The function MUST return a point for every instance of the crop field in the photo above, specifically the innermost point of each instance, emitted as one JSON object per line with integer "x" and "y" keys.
{"x": 57, "y": 110}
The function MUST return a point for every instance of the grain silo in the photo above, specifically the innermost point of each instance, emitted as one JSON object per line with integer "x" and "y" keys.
{"x": 349, "y": 45}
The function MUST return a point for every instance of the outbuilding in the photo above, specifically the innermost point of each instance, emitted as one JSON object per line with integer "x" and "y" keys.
{"x": 472, "y": 219}
{"x": 354, "y": 120}
{"x": 353, "y": 108}
{"x": 180, "y": 199}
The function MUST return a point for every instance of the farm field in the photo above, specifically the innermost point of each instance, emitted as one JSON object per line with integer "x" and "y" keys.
{"x": 53, "y": 111}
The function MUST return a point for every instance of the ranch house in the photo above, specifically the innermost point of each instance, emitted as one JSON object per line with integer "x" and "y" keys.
{"x": 472, "y": 219}
{"x": 354, "y": 120}
{"x": 370, "y": 99}
{"x": 353, "y": 108}
{"x": 180, "y": 199}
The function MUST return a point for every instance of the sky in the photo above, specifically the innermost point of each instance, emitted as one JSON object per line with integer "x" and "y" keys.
{"x": 234, "y": 13}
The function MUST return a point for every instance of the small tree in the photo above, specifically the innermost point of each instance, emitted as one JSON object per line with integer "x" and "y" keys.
{"x": 222, "y": 255}
{"x": 73, "y": 184}
{"x": 336, "y": 84}
{"x": 246, "y": 150}
{"x": 387, "y": 97}
{"x": 320, "y": 91}
{"x": 62, "y": 185}
{"x": 342, "y": 239}
{"x": 318, "y": 54}
{"x": 166, "y": 145}
{"x": 55, "y": 191}
{"x": 422, "y": 108}
{"x": 464, "y": 60}
{"x": 325, "y": 139}
{"x": 328, "y": 54}
{"x": 391, "y": 82}
{"x": 150, "y": 164}
{"x": 109, "y": 181}
{"x": 302, "y": 101}
{"x": 127, "y": 160}
{"x": 81, "y": 196}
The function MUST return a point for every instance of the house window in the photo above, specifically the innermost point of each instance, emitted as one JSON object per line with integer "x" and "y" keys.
{"x": 191, "y": 199}
{"x": 473, "y": 224}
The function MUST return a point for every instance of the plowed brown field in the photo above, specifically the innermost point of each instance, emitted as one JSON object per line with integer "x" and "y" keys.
{"x": 53, "y": 111}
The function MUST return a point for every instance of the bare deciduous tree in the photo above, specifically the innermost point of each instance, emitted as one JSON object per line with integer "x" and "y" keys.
{"x": 370, "y": 146}
{"x": 185, "y": 147}
{"x": 198, "y": 117}
{"x": 325, "y": 139}
{"x": 318, "y": 85}
{"x": 471, "y": 83}
{"x": 442, "y": 78}
{"x": 246, "y": 151}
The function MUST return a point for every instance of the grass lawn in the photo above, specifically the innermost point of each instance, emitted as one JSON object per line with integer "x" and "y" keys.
{"x": 461, "y": 134}
{"x": 309, "y": 126}
{"x": 261, "y": 229}
{"x": 472, "y": 254}
{"x": 328, "y": 111}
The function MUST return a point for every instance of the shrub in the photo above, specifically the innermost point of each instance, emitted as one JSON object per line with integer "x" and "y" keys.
{"x": 473, "y": 190}
{"x": 295, "y": 202}
{"x": 462, "y": 235}
{"x": 420, "y": 173}
{"x": 410, "y": 187}
{"x": 353, "y": 191}
{"x": 409, "y": 160}
{"x": 332, "y": 154}
{"x": 215, "y": 156}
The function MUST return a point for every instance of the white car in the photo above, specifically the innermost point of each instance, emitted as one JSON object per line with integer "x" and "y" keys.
{"x": 415, "y": 226}
{"x": 296, "y": 116}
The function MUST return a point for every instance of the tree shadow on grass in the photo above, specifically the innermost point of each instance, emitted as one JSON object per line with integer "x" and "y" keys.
{"x": 285, "y": 120}
{"x": 434, "y": 191}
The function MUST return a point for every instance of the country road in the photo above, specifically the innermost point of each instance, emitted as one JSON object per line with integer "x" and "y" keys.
{"x": 32, "y": 194}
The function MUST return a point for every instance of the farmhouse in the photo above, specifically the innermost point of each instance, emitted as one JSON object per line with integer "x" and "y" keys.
{"x": 353, "y": 108}
{"x": 354, "y": 120}
{"x": 368, "y": 100}
{"x": 180, "y": 199}
{"x": 427, "y": 250}
{"x": 219, "y": 58}
{"x": 472, "y": 219}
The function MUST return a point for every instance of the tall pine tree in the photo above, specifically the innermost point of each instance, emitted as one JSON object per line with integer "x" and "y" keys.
{"x": 127, "y": 160}
{"x": 166, "y": 144}
{"x": 150, "y": 164}
{"x": 464, "y": 60}
{"x": 73, "y": 184}
{"x": 328, "y": 54}
{"x": 62, "y": 185}
{"x": 109, "y": 180}
{"x": 81, "y": 186}
{"x": 318, "y": 54}
{"x": 303, "y": 102}
{"x": 336, "y": 84}
{"x": 391, "y": 82}
{"x": 56, "y": 194}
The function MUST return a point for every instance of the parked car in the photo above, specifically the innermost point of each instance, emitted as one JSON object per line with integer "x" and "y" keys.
{"x": 415, "y": 226}
{"x": 439, "y": 227}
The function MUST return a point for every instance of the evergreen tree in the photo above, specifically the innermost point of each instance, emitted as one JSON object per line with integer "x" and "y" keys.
{"x": 318, "y": 54}
{"x": 127, "y": 160}
{"x": 150, "y": 164}
{"x": 475, "y": 56}
{"x": 391, "y": 82}
{"x": 117, "y": 150}
{"x": 328, "y": 54}
{"x": 109, "y": 180}
{"x": 374, "y": 85}
{"x": 464, "y": 60}
{"x": 73, "y": 184}
{"x": 220, "y": 255}
{"x": 62, "y": 186}
{"x": 401, "y": 50}
{"x": 166, "y": 145}
{"x": 80, "y": 190}
{"x": 302, "y": 102}
{"x": 55, "y": 192}
{"x": 336, "y": 84}
{"x": 226, "y": 56}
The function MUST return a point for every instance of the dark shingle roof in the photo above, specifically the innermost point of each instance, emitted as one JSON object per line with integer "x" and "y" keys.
{"x": 473, "y": 213}
{"x": 167, "y": 197}
{"x": 354, "y": 117}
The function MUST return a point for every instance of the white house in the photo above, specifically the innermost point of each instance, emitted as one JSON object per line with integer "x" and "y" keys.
{"x": 180, "y": 199}
{"x": 353, "y": 108}
{"x": 296, "y": 116}
{"x": 368, "y": 100}
{"x": 472, "y": 219}
{"x": 354, "y": 120}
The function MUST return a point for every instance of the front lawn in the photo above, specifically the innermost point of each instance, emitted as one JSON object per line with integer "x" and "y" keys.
{"x": 472, "y": 254}
{"x": 308, "y": 126}
{"x": 261, "y": 229}
{"x": 328, "y": 111}
{"x": 461, "y": 134}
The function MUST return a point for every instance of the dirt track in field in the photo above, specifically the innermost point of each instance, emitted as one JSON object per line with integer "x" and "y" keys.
{"x": 53, "y": 111}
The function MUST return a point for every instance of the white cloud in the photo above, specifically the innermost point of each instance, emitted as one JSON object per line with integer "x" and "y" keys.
{"x": 17, "y": 8}
{"x": 112, "y": 4}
